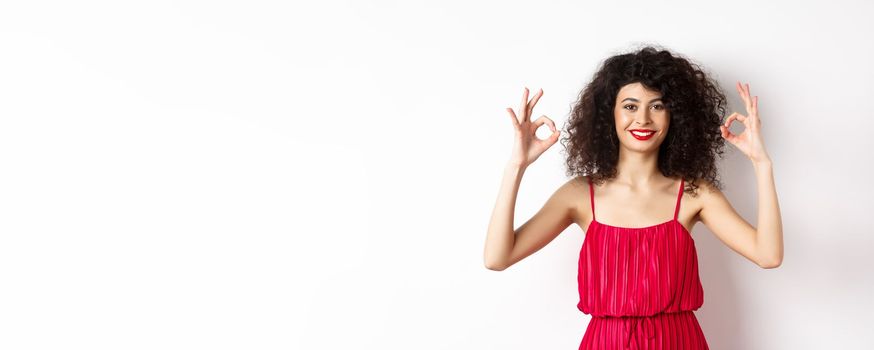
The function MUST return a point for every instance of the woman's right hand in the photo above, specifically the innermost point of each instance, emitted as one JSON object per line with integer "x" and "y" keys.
{"x": 527, "y": 147}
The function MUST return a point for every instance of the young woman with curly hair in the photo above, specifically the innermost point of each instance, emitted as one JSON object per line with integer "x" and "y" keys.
{"x": 642, "y": 139}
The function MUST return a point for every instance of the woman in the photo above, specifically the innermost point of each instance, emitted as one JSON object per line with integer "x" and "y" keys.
{"x": 641, "y": 142}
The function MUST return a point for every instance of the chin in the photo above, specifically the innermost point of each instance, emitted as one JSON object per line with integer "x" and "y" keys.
{"x": 634, "y": 145}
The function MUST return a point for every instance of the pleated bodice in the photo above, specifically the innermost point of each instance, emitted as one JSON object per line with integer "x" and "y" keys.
{"x": 638, "y": 271}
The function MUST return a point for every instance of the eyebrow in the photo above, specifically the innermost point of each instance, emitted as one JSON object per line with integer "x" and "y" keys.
{"x": 636, "y": 100}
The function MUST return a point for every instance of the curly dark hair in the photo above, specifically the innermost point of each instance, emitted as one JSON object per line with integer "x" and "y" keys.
{"x": 695, "y": 102}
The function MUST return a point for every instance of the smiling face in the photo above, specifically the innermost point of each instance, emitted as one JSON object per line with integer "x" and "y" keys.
{"x": 641, "y": 118}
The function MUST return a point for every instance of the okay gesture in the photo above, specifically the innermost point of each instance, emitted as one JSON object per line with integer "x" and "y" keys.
{"x": 750, "y": 140}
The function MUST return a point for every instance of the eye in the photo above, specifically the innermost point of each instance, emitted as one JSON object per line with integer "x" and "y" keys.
{"x": 626, "y": 106}
{"x": 659, "y": 107}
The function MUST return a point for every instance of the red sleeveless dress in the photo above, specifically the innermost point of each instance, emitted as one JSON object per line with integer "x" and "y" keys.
{"x": 640, "y": 285}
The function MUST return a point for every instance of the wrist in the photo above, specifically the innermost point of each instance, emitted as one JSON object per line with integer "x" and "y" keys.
{"x": 762, "y": 164}
{"x": 515, "y": 166}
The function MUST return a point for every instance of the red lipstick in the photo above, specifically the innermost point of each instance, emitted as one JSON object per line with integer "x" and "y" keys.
{"x": 647, "y": 134}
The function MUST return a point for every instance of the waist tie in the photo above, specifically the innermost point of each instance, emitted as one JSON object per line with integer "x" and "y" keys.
{"x": 631, "y": 329}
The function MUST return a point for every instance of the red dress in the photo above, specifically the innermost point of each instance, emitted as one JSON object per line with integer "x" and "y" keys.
{"x": 640, "y": 285}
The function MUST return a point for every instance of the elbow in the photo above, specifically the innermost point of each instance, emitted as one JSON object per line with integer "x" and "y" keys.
{"x": 770, "y": 263}
{"x": 494, "y": 265}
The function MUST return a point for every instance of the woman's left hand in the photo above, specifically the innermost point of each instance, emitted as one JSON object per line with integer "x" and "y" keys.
{"x": 750, "y": 140}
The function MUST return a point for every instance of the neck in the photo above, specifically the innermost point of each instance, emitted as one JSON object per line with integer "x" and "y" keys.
{"x": 638, "y": 169}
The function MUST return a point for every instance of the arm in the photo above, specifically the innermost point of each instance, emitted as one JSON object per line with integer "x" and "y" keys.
{"x": 762, "y": 245}
{"x": 506, "y": 246}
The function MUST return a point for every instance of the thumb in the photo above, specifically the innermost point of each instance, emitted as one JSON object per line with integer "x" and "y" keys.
{"x": 554, "y": 137}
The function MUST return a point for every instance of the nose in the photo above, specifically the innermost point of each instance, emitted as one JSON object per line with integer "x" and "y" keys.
{"x": 643, "y": 118}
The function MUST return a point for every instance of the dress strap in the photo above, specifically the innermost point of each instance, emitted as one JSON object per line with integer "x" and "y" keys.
{"x": 679, "y": 197}
{"x": 592, "y": 198}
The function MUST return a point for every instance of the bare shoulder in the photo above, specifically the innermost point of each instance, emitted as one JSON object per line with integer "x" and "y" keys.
{"x": 564, "y": 202}
{"x": 705, "y": 194}
{"x": 574, "y": 194}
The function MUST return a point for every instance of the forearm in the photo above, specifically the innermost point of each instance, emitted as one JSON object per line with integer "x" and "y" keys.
{"x": 500, "y": 236}
{"x": 769, "y": 231}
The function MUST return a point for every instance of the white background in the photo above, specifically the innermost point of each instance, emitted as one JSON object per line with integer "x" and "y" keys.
{"x": 320, "y": 175}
